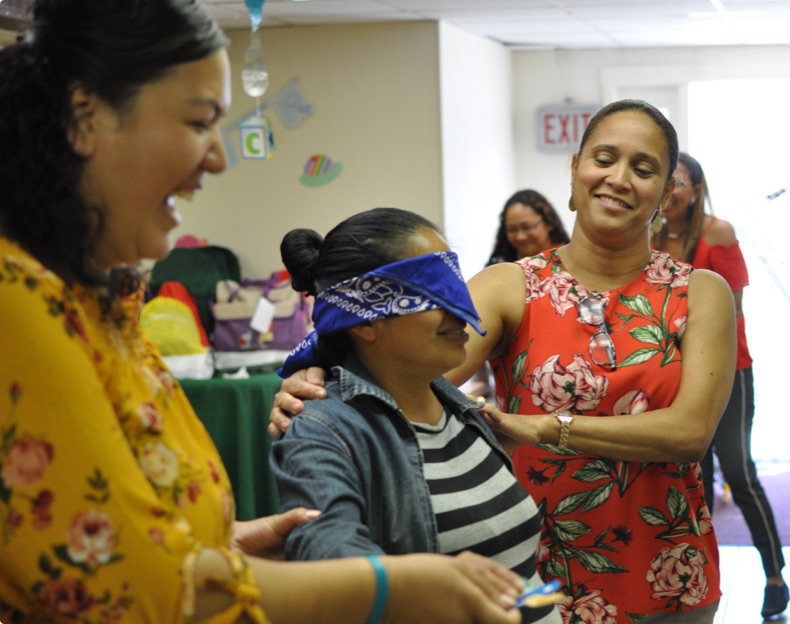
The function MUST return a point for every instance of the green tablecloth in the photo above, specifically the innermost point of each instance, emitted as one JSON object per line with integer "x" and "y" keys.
{"x": 236, "y": 414}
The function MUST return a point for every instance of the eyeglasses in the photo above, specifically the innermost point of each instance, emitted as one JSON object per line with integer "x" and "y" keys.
{"x": 601, "y": 346}
{"x": 523, "y": 227}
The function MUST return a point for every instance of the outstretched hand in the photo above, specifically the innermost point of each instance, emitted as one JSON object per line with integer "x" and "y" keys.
{"x": 470, "y": 589}
{"x": 304, "y": 384}
{"x": 265, "y": 537}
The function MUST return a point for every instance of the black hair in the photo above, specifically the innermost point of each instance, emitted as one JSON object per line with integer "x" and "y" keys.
{"x": 361, "y": 243}
{"x": 505, "y": 252}
{"x": 620, "y": 106}
{"x": 112, "y": 48}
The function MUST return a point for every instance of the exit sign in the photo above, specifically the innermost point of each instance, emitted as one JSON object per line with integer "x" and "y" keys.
{"x": 559, "y": 127}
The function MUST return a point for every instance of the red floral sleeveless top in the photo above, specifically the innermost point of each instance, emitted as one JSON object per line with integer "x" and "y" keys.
{"x": 627, "y": 538}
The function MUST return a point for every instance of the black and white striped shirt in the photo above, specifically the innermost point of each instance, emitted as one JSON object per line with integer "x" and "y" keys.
{"x": 479, "y": 504}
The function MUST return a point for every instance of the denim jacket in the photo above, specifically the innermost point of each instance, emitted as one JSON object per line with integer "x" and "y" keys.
{"x": 355, "y": 456}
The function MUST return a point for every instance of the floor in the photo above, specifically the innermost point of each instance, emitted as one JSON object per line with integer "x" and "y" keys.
{"x": 742, "y": 584}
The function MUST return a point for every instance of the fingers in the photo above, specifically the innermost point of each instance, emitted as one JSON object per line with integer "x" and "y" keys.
{"x": 496, "y": 581}
{"x": 278, "y": 421}
{"x": 316, "y": 376}
{"x": 491, "y": 413}
{"x": 306, "y": 384}
{"x": 282, "y": 524}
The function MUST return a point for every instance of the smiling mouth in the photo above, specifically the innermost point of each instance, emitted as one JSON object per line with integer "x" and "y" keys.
{"x": 608, "y": 199}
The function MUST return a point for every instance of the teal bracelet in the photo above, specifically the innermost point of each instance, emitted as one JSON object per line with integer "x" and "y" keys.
{"x": 382, "y": 590}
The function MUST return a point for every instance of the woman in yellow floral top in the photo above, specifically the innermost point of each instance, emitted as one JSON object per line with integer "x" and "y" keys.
{"x": 114, "y": 504}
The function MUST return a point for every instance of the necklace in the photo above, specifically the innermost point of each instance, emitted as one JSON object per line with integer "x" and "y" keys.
{"x": 674, "y": 235}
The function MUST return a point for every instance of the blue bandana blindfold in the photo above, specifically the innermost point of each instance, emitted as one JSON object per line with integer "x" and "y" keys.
{"x": 405, "y": 287}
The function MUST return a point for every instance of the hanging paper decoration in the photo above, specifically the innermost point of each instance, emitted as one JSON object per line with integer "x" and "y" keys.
{"x": 319, "y": 170}
{"x": 257, "y": 140}
{"x": 290, "y": 104}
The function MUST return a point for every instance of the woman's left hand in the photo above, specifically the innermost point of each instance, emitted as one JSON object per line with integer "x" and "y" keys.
{"x": 265, "y": 537}
{"x": 511, "y": 430}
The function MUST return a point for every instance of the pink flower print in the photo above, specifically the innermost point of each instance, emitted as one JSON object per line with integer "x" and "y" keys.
{"x": 677, "y": 573}
{"x": 65, "y": 598}
{"x": 27, "y": 462}
{"x": 551, "y": 386}
{"x": 555, "y": 387}
{"x": 40, "y": 510}
{"x": 589, "y": 608}
{"x": 91, "y": 538}
{"x": 632, "y": 402}
{"x": 157, "y": 535}
{"x": 14, "y": 518}
{"x": 680, "y": 325}
{"x": 589, "y": 388}
{"x": 663, "y": 270}
{"x": 536, "y": 263}
{"x": 558, "y": 288}
{"x": 533, "y": 287}
{"x": 150, "y": 417}
{"x": 193, "y": 490}
{"x": 531, "y": 280}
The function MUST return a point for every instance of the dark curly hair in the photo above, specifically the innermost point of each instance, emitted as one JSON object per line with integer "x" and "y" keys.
{"x": 361, "y": 243}
{"x": 113, "y": 48}
{"x": 503, "y": 250}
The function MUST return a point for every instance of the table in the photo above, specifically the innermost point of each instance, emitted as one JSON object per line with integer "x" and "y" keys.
{"x": 236, "y": 413}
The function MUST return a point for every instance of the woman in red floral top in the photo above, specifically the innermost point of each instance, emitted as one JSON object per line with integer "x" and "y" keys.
{"x": 635, "y": 352}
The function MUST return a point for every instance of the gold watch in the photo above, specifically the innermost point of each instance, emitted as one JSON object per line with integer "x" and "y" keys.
{"x": 565, "y": 419}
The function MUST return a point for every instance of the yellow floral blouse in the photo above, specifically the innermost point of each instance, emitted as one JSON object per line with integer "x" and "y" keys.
{"x": 108, "y": 481}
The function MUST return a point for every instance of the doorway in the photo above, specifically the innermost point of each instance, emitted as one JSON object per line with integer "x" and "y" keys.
{"x": 739, "y": 131}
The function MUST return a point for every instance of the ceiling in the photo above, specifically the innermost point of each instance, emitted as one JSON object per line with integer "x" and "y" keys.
{"x": 548, "y": 24}
{"x": 520, "y": 24}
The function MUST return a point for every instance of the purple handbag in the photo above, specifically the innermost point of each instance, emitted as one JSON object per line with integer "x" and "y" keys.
{"x": 291, "y": 311}
{"x": 233, "y": 309}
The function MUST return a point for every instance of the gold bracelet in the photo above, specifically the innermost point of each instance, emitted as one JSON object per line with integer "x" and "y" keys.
{"x": 565, "y": 419}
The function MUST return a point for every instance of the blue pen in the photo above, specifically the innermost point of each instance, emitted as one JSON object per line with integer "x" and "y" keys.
{"x": 543, "y": 590}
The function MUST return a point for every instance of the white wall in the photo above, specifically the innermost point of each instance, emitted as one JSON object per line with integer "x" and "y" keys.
{"x": 601, "y": 76}
{"x": 477, "y": 141}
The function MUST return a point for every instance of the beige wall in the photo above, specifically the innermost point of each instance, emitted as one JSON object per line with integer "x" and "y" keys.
{"x": 375, "y": 93}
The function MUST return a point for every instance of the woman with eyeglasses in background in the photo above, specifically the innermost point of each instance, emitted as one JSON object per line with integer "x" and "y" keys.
{"x": 528, "y": 224}
{"x": 707, "y": 242}
{"x": 613, "y": 363}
